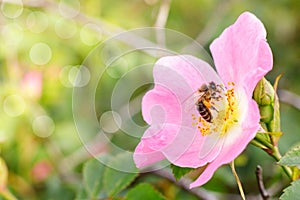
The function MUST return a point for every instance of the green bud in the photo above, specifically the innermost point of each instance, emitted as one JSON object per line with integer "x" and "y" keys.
{"x": 267, "y": 100}
{"x": 264, "y": 93}
{"x": 266, "y": 113}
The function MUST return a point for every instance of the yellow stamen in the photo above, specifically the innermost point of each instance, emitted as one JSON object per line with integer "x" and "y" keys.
{"x": 231, "y": 110}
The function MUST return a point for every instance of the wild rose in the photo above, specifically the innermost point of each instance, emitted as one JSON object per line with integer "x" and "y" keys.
{"x": 180, "y": 130}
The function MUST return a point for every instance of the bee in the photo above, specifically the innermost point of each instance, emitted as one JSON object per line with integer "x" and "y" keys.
{"x": 204, "y": 105}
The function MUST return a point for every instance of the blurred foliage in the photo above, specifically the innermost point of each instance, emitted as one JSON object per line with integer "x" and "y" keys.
{"x": 43, "y": 43}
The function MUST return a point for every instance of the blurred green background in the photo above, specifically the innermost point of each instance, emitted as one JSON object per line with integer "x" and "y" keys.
{"x": 42, "y": 45}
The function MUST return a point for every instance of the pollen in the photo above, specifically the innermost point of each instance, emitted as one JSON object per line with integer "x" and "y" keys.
{"x": 193, "y": 116}
{"x": 231, "y": 83}
{"x": 202, "y": 125}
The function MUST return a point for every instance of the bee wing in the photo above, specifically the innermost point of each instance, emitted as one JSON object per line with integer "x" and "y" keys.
{"x": 189, "y": 103}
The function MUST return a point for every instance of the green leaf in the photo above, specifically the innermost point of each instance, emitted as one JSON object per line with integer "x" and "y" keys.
{"x": 291, "y": 192}
{"x": 81, "y": 194}
{"x": 291, "y": 158}
{"x": 144, "y": 191}
{"x": 180, "y": 171}
{"x": 116, "y": 180}
{"x": 92, "y": 177}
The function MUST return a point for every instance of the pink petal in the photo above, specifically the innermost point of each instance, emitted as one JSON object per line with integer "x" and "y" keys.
{"x": 211, "y": 148}
{"x": 236, "y": 141}
{"x": 176, "y": 78}
{"x": 203, "y": 150}
{"x": 180, "y": 143}
{"x": 144, "y": 156}
{"x": 241, "y": 54}
{"x": 161, "y": 106}
{"x": 183, "y": 74}
{"x": 173, "y": 140}
{"x": 164, "y": 138}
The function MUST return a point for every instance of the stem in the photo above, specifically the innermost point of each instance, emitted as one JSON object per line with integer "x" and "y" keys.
{"x": 272, "y": 151}
{"x": 257, "y": 144}
{"x": 277, "y": 156}
{"x": 263, "y": 141}
{"x": 238, "y": 181}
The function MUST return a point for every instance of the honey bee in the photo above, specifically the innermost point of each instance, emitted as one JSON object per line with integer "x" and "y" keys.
{"x": 208, "y": 92}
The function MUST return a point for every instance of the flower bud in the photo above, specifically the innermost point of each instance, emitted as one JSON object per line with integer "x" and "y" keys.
{"x": 264, "y": 93}
{"x": 266, "y": 113}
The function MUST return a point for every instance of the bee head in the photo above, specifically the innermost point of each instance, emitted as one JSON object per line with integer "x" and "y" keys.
{"x": 212, "y": 85}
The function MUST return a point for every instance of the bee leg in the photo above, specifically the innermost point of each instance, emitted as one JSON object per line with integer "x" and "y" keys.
{"x": 221, "y": 87}
{"x": 218, "y": 98}
{"x": 212, "y": 107}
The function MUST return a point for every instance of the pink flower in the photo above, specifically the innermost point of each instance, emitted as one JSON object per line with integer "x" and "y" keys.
{"x": 228, "y": 119}
{"x": 32, "y": 84}
{"x": 41, "y": 170}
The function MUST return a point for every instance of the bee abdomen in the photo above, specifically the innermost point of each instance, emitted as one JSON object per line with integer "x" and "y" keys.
{"x": 204, "y": 111}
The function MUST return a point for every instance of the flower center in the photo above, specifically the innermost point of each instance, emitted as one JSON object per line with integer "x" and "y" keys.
{"x": 217, "y": 110}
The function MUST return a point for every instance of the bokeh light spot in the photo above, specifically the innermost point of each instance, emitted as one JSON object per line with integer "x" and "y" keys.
{"x": 40, "y": 54}
{"x": 151, "y": 2}
{"x": 14, "y": 105}
{"x": 3, "y": 136}
{"x": 12, "y": 10}
{"x": 65, "y": 28}
{"x": 13, "y": 34}
{"x": 90, "y": 34}
{"x": 65, "y": 11}
{"x": 37, "y": 22}
{"x": 64, "y": 76}
{"x": 79, "y": 76}
{"x": 110, "y": 121}
{"x": 43, "y": 126}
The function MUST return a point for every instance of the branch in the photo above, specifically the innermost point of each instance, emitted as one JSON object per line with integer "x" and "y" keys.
{"x": 290, "y": 98}
{"x": 105, "y": 28}
{"x": 259, "y": 177}
{"x": 198, "y": 192}
{"x": 184, "y": 183}
{"x": 163, "y": 14}
{"x": 161, "y": 21}
{"x": 211, "y": 26}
